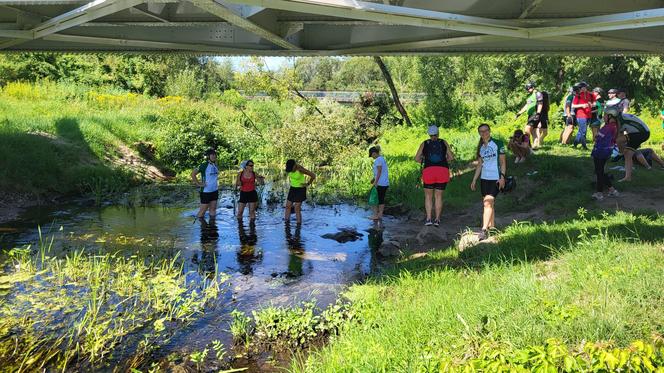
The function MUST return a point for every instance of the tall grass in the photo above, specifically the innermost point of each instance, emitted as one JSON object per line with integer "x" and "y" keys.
{"x": 601, "y": 281}
{"x": 86, "y": 310}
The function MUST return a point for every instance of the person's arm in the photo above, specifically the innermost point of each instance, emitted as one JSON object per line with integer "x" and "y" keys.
{"x": 523, "y": 109}
{"x": 311, "y": 175}
{"x": 661, "y": 115}
{"x": 450, "y": 154}
{"x": 625, "y": 106}
{"x": 503, "y": 170}
{"x": 418, "y": 155}
{"x": 478, "y": 171}
{"x": 379, "y": 171}
{"x": 194, "y": 178}
{"x": 238, "y": 181}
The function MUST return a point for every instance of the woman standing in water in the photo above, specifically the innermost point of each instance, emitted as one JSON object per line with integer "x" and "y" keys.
{"x": 298, "y": 189}
{"x": 246, "y": 181}
{"x": 491, "y": 166}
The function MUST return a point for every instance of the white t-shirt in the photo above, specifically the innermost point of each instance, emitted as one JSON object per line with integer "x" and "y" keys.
{"x": 211, "y": 178}
{"x": 383, "y": 180}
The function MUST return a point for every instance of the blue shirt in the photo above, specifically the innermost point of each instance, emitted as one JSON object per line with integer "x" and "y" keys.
{"x": 383, "y": 180}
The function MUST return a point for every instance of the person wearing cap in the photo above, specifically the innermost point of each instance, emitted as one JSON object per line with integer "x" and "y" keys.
{"x": 569, "y": 116}
{"x": 597, "y": 111}
{"x": 380, "y": 180}
{"x": 534, "y": 106}
{"x": 209, "y": 192}
{"x": 582, "y": 106}
{"x": 297, "y": 193}
{"x": 246, "y": 182}
{"x": 434, "y": 155}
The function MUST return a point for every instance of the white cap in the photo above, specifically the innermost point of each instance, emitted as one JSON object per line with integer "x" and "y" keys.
{"x": 433, "y": 130}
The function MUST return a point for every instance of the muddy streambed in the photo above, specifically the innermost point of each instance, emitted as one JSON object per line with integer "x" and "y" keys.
{"x": 269, "y": 262}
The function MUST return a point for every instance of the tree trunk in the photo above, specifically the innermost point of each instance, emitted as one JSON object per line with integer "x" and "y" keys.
{"x": 395, "y": 95}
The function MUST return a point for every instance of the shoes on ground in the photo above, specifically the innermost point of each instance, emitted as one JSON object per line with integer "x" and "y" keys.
{"x": 598, "y": 196}
{"x": 613, "y": 193}
{"x": 428, "y": 222}
{"x": 436, "y": 222}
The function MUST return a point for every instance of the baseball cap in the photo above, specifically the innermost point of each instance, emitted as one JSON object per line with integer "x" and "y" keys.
{"x": 613, "y": 90}
{"x": 433, "y": 130}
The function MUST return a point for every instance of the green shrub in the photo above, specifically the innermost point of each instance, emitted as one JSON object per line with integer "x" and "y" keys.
{"x": 188, "y": 132}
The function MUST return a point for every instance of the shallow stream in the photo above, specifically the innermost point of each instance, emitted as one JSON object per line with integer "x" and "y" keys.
{"x": 269, "y": 262}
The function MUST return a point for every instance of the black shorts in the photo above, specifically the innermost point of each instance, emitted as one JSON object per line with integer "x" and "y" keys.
{"x": 438, "y": 186}
{"x": 489, "y": 187}
{"x": 634, "y": 140}
{"x": 297, "y": 195}
{"x": 382, "y": 190}
{"x": 248, "y": 197}
{"x": 544, "y": 121}
{"x": 207, "y": 197}
{"x": 570, "y": 121}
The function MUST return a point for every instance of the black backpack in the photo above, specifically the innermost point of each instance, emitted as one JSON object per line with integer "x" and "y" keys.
{"x": 433, "y": 152}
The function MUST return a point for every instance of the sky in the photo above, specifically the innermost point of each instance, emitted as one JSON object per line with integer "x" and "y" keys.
{"x": 273, "y": 63}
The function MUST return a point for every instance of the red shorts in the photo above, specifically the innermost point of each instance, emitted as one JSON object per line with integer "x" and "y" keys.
{"x": 435, "y": 177}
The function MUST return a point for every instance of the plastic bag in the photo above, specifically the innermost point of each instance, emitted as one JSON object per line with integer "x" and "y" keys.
{"x": 373, "y": 197}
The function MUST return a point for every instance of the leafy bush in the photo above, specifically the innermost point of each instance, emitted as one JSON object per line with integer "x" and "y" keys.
{"x": 311, "y": 138}
{"x": 184, "y": 83}
{"x": 188, "y": 132}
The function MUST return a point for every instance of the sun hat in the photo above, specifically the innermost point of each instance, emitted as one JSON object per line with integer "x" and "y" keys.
{"x": 433, "y": 130}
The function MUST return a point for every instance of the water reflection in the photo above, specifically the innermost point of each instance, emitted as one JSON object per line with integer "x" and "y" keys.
{"x": 248, "y": 254}
{"x": 295, "y": 250}
{"x": 207, "y": 263}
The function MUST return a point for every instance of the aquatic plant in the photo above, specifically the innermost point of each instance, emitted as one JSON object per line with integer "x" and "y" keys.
{"x": 85, "y": 310}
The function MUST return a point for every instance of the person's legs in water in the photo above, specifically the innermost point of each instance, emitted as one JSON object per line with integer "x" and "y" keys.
{"x": 252, "y": 210}
{"x": 240, "y": 210}
{"x": 202, "y": 209}
{"x": 438, "y": 193}
{"x": 298, "y": 212}
{"x": 581, "y": 135}
{"x": 629, "y": 163}
{"x": 287, "y": 212}
{"x": 213, "y": 209}
{"x": 428, "y": 204}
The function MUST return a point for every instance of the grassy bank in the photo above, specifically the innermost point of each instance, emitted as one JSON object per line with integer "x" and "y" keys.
{"x": 538, "y": 288}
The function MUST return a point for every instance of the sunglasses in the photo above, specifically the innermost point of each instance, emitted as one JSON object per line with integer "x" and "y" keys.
{"x": 250, "y": 165}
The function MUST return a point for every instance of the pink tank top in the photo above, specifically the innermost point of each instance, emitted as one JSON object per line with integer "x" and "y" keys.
{"x": 248, "y": 184}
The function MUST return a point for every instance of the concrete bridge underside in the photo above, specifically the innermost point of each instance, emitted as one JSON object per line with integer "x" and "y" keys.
{"x": 334, "y": 27}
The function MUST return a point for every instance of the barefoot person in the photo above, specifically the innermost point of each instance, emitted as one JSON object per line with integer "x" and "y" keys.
{"x": 434, "y": 154}
{"x": 246, "y": 182}
{"x": 603, "y": 147}
{"x": 491, "y": 168}
{"x": 298, "y": 189}
{"x": 209, "y": 193}
{"x": 380, "y": 181}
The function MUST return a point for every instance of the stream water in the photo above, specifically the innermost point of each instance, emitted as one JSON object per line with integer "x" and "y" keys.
{"x": 269, "y": 262}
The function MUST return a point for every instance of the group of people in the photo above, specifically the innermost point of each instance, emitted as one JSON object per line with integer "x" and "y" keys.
{"x": 613, "y": 129}
{"x": 246, "y": 180}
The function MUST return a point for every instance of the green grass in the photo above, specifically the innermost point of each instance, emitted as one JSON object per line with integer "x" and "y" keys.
{"x": 598, "y": 279}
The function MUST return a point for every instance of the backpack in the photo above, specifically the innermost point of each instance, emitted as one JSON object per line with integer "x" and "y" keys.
{"x": 545, "y": 102}
{"x": 433, "y": 152}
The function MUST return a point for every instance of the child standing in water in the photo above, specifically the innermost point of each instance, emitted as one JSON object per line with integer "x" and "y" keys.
{"x": 298, "y": 189}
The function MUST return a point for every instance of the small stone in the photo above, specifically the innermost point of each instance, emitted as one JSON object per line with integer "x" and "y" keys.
{"x": 390, "y": 248}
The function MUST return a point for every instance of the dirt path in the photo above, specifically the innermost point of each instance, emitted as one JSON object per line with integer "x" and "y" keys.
{"x": 414, "y": 237}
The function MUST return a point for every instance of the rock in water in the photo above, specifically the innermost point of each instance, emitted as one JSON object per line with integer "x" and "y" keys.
{"x": 390, "y": 248}
{"x": 344, "y": 235}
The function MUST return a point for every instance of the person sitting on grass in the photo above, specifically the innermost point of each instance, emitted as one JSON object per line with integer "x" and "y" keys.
{"x": 246, "y": 182}
{"x": 519, "y": 144}
{"x": 380, "y": 181}
{"x": 646, "y": 157}
{"x": 602, "y": 149}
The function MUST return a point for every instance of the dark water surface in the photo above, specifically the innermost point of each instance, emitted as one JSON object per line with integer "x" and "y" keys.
{"x": 269, "y": 262}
